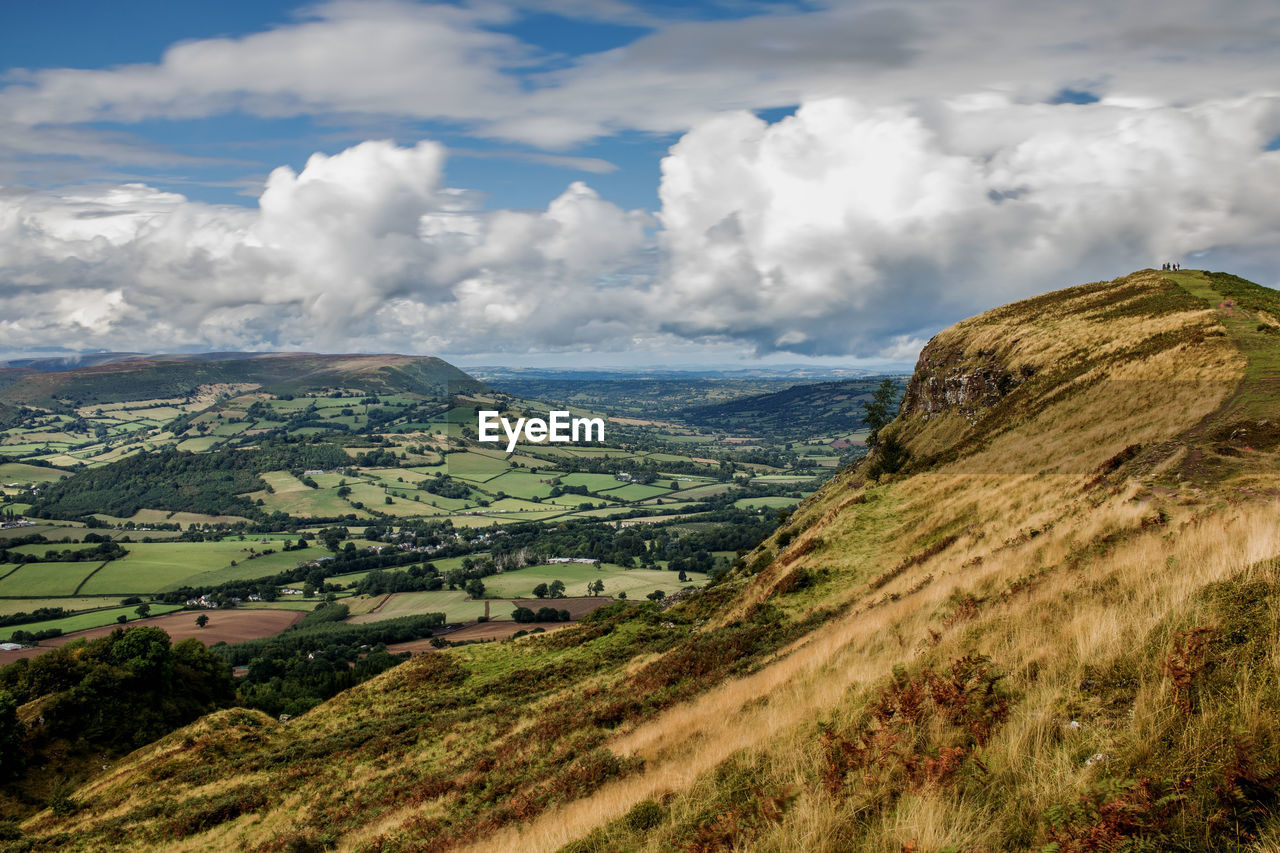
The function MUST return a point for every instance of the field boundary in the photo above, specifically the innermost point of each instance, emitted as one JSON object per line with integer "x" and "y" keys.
{"x": 85, "y": 579}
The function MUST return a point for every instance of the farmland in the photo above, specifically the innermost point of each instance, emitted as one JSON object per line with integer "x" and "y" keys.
{"x": 244, "y": 492}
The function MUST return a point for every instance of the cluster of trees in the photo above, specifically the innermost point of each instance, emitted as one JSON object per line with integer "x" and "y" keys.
{"x": 303, "y": 639}
{"x": 113, "y": 694}
{"x": 730, "y": 529}
{"x": 890, "y": 454}
{"x": 554, "y": 590}
{"x": 544, "y": 614}
{"x": 446, "y": 487}
{"x": 29, "y": 637}
{"x": 294, "y": 684}
{"x": 318, "y": 658}
{"x": 376, "y": 458}
{"x": 346, "y": 561}
{"x": 101, "y": 552}
{"x": 40, "y": 614}
{"x": 210, "y": 483}
{"x": 415, "y": 579}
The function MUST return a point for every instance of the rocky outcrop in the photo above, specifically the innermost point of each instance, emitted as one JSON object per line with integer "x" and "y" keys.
{"x": 946, "y": 380}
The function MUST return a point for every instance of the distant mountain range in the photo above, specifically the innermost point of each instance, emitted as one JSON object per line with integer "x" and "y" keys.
{"x": 489, "y": 373}
{"x": 62, "y": 383}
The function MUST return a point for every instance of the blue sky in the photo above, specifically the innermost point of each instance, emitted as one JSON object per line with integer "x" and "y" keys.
{"x": 246, "y": 147}
{"x": 608, "y": 182}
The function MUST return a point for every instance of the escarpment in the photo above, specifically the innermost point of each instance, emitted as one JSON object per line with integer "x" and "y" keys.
{"x": 947, "y": 379}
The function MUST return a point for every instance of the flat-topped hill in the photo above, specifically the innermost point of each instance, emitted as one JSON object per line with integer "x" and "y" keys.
{"x": 165, "y": 376}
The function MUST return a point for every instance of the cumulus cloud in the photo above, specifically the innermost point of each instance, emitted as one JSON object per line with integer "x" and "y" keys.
{"x": 929, "y": 173}
{"x": 365, "y": 249}
{"x": 849, "y": 228}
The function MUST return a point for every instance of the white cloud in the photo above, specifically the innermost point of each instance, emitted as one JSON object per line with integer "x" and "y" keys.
{"x": 925, "y": 177}
{"x": 364, "y": 249}
{"x": 848, "y": 228}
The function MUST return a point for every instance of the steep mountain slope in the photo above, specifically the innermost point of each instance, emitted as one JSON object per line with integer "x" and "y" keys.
{"x": 165, "y": 376}
{"x": 1057, "y": 623}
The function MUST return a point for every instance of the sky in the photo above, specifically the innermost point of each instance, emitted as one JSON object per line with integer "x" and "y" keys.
{"x": 604, "y": 183}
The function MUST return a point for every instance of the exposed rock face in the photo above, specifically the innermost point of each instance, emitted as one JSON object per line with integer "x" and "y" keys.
{"x": 946, "y": 380}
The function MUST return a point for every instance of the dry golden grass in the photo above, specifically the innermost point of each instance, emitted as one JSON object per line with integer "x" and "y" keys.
{"x": 1031, "y": 478}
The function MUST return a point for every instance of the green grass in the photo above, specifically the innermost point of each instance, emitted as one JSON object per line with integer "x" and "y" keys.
{"x": 294, "y": 497}
{"x": 197, "y": 445}
{"x": 37, "y": 580}
{"x": 95, "y": 619}
{"x": 766, "y": 502}
{"x": 442, "y": 565}
{"x": 520, "y": 484}
{"x": 454, "y": 604}
{"x": 17, "y": 472}
{"x": 9, "y": 606}
{"x": 1254, "y": 399}
{"x": 635, "y": 582}
{"x": 151, "y": 566}
{"x": 593, "y": 482}
{"x": 699, "y": 492}
{"x": 635, "y": 492}
{"x": 40, "y": 548}
{"x": 259, "y": 567}
{"x": 474, "y": 466}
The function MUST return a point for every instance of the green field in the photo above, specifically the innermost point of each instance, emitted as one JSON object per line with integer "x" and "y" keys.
{"x": 454, "y": 604}
{"x": 38, "y": 580}
{"x": 519, "y": 484}
{"x": 634, "y": 582}
{"x": 766, "y": 502}
{"x": 40, "y": 548}
{"x": 258, "y": 567}
{"x": 593, "y": 482}
{"x": 474, "y": 466}
{"x": 153, "y": 566}
{"x": 17, "y": 472}
{"x": 9, "y": 606}
{"x": 442, "y": 566}
{"x": 92, "y": 619}
{"x": 635, "y": 492}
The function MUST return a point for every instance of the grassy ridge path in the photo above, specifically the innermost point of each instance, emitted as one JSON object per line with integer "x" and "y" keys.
{"x": 1228, "y": 440}
{"x": 1254, "y": 397}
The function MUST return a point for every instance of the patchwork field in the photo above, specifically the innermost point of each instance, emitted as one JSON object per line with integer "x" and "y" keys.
{"x": 576, "y": 576}
{"x": 92, "y": 619}
{"x": 225, "y": 626}
{"x": 37, "y": 580}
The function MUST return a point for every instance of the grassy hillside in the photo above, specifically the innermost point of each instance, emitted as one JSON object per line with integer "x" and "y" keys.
{"x": 1057, "y": 626}
{"x": 823, "y": 408}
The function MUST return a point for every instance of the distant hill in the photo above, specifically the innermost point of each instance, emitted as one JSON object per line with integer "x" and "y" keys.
{"x": 72, "y": 362}
{"x": 801, "y": 410}
{"x": 168, "y": 376}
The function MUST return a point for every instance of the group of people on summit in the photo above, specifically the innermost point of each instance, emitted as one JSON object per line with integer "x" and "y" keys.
{"x": 1168, "y": 267}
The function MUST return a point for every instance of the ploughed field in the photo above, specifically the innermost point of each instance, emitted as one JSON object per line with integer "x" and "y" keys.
{"x": 224, "y": 626}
